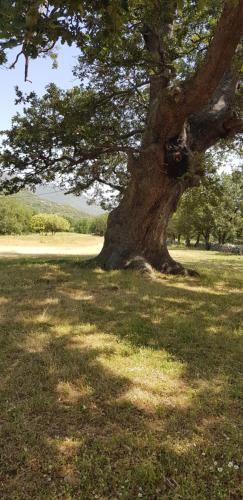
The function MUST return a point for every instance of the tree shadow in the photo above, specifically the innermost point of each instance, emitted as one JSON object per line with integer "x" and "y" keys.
{"x": 74, "y": 425}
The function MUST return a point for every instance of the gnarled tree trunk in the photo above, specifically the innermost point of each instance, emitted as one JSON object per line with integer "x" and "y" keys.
{"x": 136, "y": 232}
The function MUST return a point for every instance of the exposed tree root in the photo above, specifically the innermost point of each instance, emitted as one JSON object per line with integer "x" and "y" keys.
{"x": 175, "y": 268}
{"x": 138, "y": 263}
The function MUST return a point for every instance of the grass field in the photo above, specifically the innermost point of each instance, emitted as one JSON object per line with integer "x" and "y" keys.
{"x": 118, "y": 386}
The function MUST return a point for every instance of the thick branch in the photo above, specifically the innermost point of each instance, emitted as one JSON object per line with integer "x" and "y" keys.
{"x": 171, "y": 109}
{"x": 209, "y": 131}
{"x": 156, "y": 39}
{"x": 219, "y": 119}
{"x": 199, "y": 90}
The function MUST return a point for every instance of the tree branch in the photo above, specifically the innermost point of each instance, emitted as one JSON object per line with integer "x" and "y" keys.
{"x": 156, "y": 40}
{"x": 200, "y": 88}
{"x": 219, "y": 119}
{"x": 208, "y": 132}
{"x": 110, "y": 184}
{"x": 16, "y": 59}
{"x": 174, "y": 106}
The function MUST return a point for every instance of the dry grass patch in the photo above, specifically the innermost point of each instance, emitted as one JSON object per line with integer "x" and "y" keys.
{"x": 115, "y": 386}
{"x": 58, "y": 240}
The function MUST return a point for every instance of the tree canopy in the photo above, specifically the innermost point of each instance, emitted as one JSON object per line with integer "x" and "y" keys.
{"x": 127, "y": 49}
{"x": 49, "y": 223}
{"x": 14, "y": 217}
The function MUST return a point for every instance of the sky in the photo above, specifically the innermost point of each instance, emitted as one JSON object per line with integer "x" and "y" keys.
{"x": 40, "y": 73}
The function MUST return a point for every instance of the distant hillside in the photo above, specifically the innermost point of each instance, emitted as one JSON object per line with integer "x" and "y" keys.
{"x": 38, "y": 204}
{"x": 52, "y": 193}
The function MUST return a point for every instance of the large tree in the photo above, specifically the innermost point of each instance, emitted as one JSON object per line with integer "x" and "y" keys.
{"x": 159, "y": 86}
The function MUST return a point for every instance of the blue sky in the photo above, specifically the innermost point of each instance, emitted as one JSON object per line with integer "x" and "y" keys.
{"x": 40, "y": 73}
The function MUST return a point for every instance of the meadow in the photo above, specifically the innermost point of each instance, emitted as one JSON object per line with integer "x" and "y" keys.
{"x": 50, "y": 244}
{"x": 118, "y": 386}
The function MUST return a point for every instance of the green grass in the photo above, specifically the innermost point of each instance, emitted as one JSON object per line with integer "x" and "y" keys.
{"x": 117, "y": 386}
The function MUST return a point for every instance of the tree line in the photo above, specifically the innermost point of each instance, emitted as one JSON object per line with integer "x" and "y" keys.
{"x": 211, "y": 212}
{"x": 17, "y": 218}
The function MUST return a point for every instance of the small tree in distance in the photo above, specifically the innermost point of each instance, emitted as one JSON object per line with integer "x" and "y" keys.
{"x": 49, "y": 223}
{"x": 96, "y": 225}
{"x": 82, "y": 226}
{"x": 99, "y": 224}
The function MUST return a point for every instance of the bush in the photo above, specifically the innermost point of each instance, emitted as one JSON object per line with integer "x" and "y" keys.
{"x": 49, "y": 223}
{"x": 14, "y": 216}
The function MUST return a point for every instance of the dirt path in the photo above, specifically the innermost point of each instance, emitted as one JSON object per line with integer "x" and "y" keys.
{"x": 49, "y": 250}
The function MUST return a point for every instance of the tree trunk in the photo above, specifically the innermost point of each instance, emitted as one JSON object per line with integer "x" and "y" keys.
{"x": 207, "y": 243}
{"x": 197, "y": 240}
{"x": 223, "y": 238}
{"x": 188, "y": 242}
{"x": 136, "y": 230}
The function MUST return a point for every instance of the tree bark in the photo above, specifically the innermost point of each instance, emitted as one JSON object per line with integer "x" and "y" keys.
{"x": 207, "y": 242}
{"x": 224, "y": 238}
{"x": 136, "y": 231}
{"x": 197, "y": 240}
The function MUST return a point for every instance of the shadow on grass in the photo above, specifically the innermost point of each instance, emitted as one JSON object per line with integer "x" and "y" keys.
{"x": 79, "y": 419}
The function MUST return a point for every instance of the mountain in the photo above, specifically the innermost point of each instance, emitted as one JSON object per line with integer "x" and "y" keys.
{"x": 52, "y": 193}
{"x": 38, "y": 204}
